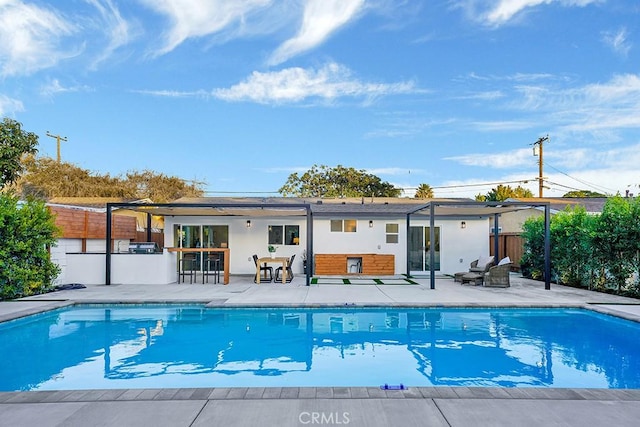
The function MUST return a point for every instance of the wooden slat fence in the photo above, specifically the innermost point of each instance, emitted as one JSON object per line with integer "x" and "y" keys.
{"x": 511, "y": 245}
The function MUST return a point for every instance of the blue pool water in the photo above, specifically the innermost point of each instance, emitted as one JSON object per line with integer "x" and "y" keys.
{"x": 162, "y": 346}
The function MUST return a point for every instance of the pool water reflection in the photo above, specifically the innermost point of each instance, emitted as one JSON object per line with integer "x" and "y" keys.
{"x": 162, "y": 346}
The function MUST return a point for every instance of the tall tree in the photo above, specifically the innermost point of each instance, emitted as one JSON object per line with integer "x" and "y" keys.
{"x": 14, "y": 144}
{"x": 504, "y": 192}
{"x": 424, "y": 191}
{"x": 339, "y": 181}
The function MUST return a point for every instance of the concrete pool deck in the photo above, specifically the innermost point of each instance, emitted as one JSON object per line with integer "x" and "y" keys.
{"x": 357, "y": 406}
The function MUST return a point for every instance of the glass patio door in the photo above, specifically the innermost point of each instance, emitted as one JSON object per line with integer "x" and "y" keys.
{"x": 205, "y": 236}
{"x": 419, "y": 244}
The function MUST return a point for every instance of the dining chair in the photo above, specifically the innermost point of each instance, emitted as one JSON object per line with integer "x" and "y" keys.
{"x": 289, "y": 271}
{"x": 265, "y": 268}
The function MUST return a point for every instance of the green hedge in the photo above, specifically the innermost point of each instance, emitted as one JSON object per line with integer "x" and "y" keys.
{"x": 600, "y": 252}
{"x": 27, "y": 229}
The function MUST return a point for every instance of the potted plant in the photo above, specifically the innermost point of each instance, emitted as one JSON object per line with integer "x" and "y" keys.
{"x": 272, "y": 251}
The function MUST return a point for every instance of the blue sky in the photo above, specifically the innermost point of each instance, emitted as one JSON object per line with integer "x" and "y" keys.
{"x": 241, "y": 93}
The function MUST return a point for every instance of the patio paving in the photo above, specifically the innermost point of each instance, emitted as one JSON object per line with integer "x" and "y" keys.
{"x": 358, "y": 406}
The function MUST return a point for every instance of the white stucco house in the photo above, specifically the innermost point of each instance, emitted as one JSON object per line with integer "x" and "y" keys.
{"x": 368, "y": 236}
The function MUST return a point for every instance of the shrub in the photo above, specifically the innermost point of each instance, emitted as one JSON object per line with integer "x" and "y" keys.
{"x": 26, "y": 231}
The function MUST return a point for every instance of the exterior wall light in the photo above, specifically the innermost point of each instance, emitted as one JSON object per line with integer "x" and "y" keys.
{"x": 370, "y": 223}
{"x": 463, "y": 224}
{"x": 248, "y": 223}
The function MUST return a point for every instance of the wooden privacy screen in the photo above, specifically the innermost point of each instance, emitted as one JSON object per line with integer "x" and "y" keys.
{"x": 81, "y": 224}
{"x": 511, "y": 245}
{"x": 336, "y": 264}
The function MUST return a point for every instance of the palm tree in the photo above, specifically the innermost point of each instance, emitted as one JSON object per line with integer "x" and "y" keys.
{"x": 424, "y": 191}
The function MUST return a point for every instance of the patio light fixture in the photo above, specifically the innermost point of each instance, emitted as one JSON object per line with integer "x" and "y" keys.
{"x": 463, "y": 224}
{"x": 370, "y": 223}
{"x": 248, "y": 223}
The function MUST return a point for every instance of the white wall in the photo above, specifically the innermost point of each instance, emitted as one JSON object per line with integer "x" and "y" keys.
{"x": 132, "y": 269}
{"x": 366, "y": 240}
{"x": 244, "y": 242}
{"x": 66, "y": 247}
{"x": 458, "y": 246}
{"x": 86, "y": 268}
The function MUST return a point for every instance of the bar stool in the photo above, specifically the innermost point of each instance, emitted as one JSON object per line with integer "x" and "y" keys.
{"x": 187, "y": 267}
{"x": 211, "y": 267}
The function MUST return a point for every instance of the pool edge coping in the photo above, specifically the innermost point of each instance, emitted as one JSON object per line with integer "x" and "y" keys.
{"x": 301, "y": 393}
{"x": 49, "y": 305}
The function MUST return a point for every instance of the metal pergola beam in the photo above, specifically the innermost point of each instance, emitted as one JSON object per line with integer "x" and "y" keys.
{"x": 266, "y": 206}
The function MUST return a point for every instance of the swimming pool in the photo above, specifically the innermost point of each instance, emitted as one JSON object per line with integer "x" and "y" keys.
{"x": 167, "y": 346}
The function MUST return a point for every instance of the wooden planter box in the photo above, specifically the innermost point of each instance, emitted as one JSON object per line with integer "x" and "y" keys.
{"x": 372, "y": 264}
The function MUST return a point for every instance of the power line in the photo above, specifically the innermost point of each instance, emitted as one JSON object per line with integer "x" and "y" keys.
{"x": 484, "y": 184}
{"x": 594, "y": 186}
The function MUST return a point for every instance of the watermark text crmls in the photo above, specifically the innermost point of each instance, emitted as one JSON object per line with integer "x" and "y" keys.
{"x": 324, "y": 418}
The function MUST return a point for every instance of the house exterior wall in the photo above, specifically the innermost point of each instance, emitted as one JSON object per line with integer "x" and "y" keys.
{"x": 512, "y": 222}
{"x": 459, "y": 246}
{"x": 245, "y": 241}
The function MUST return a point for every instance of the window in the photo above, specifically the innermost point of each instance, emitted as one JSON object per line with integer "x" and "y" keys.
{"x": 392, "y": 233}
{"x": 284, "y": 234}
{"x": 350, "y": 225}
{"x": 346, "y": 225}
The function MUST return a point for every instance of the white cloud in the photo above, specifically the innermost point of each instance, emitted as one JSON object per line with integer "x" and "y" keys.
{"x": 54, "y": 87}
{"x": 618, "y": 41}
{"x": 116, "y": 27}
{"x": 320, "y": 19}
{"x": 495, "y": 13}
{"x": 30, "y": 37}
{"x": 582, "y": 168}
{"x": 501, "y": 126}
{"x": 197, "y": 18}
{"x": 292, "y": 85}
{"x": 9, "y": 105}
{"x": 502, "y": 160}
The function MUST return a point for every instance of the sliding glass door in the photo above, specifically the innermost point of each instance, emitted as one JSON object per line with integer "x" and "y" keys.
{"x": 419, "y": 246}
{"x": 197, "y": 236}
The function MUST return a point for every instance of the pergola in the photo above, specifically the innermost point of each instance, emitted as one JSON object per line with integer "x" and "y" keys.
{"x": 211, "y": 209}
{"x": 433, "y": 209}
{"x": 470, "y": 209}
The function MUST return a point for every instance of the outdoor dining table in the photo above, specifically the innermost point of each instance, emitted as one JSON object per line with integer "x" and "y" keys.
{"x": 224, "y": 251}
{"x": 282, "y": 260}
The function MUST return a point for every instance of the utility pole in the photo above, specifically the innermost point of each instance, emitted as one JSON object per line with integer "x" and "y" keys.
{"x": 58, "y": 139}
{"x": 537, "y": 151}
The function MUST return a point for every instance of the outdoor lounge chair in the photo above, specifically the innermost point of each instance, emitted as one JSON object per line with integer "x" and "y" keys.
{"x": 481, "y": 265}
{"x": 263, "y": 268}
{"x": 477, "y": 269}
{"x": 498, "y": 275}
{"x": 289, "y": 271}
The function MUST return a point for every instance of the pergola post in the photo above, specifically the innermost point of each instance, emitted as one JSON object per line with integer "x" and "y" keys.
{"x": 107, "y": 272}
{"x": 148, "y": 227}
{"x": 432, "y": 239}
{"x": 496, "y": 243}
{"x": 547, "y": 247}
{"x": 308, "y": 270}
